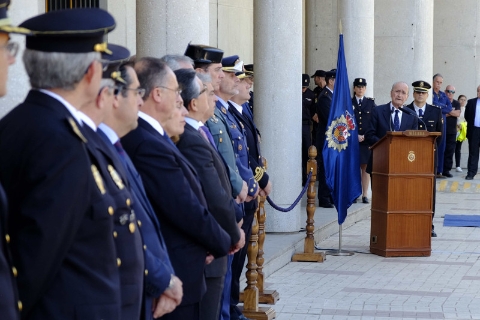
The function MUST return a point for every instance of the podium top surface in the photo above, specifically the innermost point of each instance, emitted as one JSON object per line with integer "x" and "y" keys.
{"x": 407, "y": 133}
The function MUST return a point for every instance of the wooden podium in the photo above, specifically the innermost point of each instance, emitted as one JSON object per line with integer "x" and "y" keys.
{"x": 402, "y": 194}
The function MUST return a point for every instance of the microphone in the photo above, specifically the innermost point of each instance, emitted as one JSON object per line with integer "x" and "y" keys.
{"x": 412, "y": 113}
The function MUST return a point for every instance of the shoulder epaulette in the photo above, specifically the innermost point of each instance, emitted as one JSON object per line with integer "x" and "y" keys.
{"x": 436, "y": 106}
{"x": 370, "y": 98}
{"x": 75, "y": 129}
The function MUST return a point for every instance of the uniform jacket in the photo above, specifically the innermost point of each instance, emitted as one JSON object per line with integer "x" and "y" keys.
{"x": 157, "y": 263}
{"x": 8, "y": 287}
{"x": 254, "y": 155}
{"x": 216, "y": 187}
{"x": 432, "y": 118}
{"x": 219, "y": 129}
{"x": 363, "y": 114}
{"x": 470, "y": 111}
{"x": 60, "y": 225}
{"x": 174, "y": 191}
{"x": 128, "y": 241}
{"x": 308, "y": 106}
{"x": 237, "y": 136}
{"x": 381, "y": 122}
{"x": 323, "y": 105}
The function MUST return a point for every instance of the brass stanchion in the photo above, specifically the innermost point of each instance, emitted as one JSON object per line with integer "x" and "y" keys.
{"x": 250, "y": 293}
{"x": 309, "y": 255}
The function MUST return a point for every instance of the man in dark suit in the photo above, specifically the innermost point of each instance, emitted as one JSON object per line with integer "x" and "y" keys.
{"x": 9, "y": 303}
{"x": 308, "y": 103}
{"x": 431, "y": 117}
{"x": 388, "y": 117}
{"x": 62, "y": 201}
{"x": 163, "y": 290}
{"x": 195, "y": 145}
{"x": 363, "y": 108}
{"x": 322, "y": 107}
{"x": 473, "y": 135}
{"x": 191, "y": 233}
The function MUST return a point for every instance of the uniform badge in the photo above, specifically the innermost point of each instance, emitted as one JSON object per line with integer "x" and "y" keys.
{"x": 115, "y": 177}
{"x": 220, "y": 140}
{"x": 75, "y": 129}
{"x": 214, "y": 118}
{"x": 98, "y": 179}
{"x": 123, "y": 219}
{"x": 338, "y": 131}
{"x": 240, "y": 147}
{"x": 224, "y": 110}
{"x": 242, "y": 125}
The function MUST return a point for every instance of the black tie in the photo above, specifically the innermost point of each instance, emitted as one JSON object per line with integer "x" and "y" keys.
{"x": 359, "y": 102}
{"x": 420, "y": 113}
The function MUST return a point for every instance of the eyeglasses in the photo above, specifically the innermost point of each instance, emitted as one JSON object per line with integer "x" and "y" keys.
{"x": 177, "y": 91}
{"x": 12, "y": 48}
{"x": 450, "y": 91}
{"x": 138, "y": 91}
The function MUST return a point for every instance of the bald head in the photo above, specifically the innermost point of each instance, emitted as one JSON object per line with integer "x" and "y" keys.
{"x": 399, "y": 94}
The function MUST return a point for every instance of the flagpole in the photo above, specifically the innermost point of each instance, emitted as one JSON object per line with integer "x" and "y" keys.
{"x": 339, "y": 252}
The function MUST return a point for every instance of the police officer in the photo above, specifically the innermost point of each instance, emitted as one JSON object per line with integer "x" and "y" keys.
{"x": 322, "y": 108}
{"x": 249, "y": 78}
{"x": 440, "y": 100}
{"x": 63, "y": 197}
{"x": 308, "y": 102}
{"x": 9, "y": 303}
{"x": 363, "y": 107}
{"x": 319, "y": 80}
{"x": 430, "y": 119}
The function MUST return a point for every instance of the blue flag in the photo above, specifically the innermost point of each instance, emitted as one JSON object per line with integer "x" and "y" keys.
{"x": 341, "y": 148}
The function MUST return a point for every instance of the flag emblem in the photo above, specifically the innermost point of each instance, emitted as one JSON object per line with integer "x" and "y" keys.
{"x": 339, "y": 131}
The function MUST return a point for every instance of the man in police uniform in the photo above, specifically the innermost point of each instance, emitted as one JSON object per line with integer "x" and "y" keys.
{"x": 363, "y": 108}
{"x": 319, "y": 79}
{"x": 62, "y": 196}
{"x": 323, "y": 105}
{"x": 9, "y": 304}
{"x": 431, "y": 117}
{"x": 308, "y": 102}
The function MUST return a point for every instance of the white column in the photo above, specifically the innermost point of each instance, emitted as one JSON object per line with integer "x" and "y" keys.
{"x": 357, "y": 19}
{"x": 321, "y": 35}
{"x": 166, "y": 26}
{"x": 278, "y": 70}
{"x": 403, "y": 46}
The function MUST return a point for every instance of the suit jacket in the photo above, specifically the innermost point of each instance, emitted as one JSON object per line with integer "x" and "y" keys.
{"x": 216, "y": 187}
{"x": 157, "y": 263}
{"x": 60, "y": 223}
{"x": 323, "y": 105}
{"x": 174, "y": 191}
{"x": 221, "y": 135}
{"x": 470, "y": 111}
{"x": 8, "y": 287}
{"x": 381, "y": 122}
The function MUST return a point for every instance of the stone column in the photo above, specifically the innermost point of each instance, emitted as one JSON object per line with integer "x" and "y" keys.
{"x": 403, "y": 47}
{"x": 357, "y": 19}
{"x": 167, "y": 26}
{"x": 321, "y": 35}
{"x": 278, "y": 70}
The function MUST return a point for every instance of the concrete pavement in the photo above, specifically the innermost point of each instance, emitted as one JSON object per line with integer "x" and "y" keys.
{"x": 445, "y": 285}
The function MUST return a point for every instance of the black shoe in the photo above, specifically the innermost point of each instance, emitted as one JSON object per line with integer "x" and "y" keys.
{"x": 325, "y": 205}
{"x": 434, "y": 235}
{"x": 365, "y": 200}
{"x": 447, "y": 174}
{"x": 440, "y": 176}
{"x": 468, "y": 178}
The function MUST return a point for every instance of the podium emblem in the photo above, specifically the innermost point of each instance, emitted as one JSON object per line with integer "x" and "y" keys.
{"x": 411, "y": 156}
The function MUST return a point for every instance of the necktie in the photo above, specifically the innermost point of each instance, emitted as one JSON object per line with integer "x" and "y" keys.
{"x": 396, "y": 121}
{"x": 420, "y": 113}
{"x": 118, "y": 146}
{"x": 360, "y": 102}
{"x": 207, "y": 135}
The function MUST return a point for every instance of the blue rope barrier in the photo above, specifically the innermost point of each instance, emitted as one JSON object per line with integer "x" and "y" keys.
{"x": 296, "y": 201}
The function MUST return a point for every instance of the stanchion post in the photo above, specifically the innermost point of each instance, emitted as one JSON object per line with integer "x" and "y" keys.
{"x": 250, "y": 293}
{"x": 309, "y": 246}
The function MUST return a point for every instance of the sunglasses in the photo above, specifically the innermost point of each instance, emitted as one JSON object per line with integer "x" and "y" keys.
{"x": 450, "y": 91}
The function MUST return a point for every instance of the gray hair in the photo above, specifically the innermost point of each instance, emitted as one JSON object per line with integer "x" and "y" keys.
{"x": 49, "y": 70}
{"x": 399, "y": 82}
{"x": 204, "y": 77}
{"x": 187, "y": 79}
{"x": 174, "y": 61}
{"x": 437, "y": 75}
{"x": 151, "y": 73}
